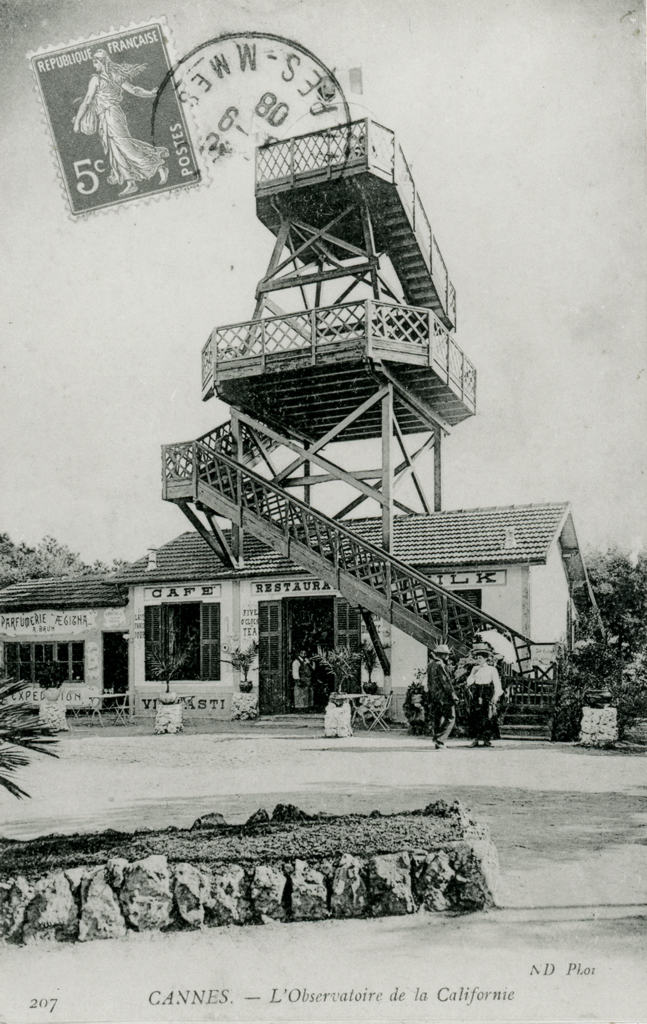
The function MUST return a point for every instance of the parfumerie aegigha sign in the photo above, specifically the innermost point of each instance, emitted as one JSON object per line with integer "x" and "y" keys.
{"x": 41, "y": 623}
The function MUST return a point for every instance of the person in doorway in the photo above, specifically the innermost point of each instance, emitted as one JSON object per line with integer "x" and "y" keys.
{"x": 302, "y": 681}
{"x": 485, "y": 690}
{"x": 442, "y": 698}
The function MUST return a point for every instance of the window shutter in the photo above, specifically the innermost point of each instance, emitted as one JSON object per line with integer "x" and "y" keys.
{"x": 347, "y": 631}
{"x": 347, "y": 619}
{"x": 270, "y": 658}
{"x": 152, "y": 636}
{"x": 210, "y": 642}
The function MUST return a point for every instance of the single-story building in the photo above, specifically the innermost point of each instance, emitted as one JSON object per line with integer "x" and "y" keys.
{"x": 70, "y": 630}
{"x": 519, "y": 564}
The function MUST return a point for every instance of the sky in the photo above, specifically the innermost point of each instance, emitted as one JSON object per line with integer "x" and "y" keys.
{"x": 524, "y": 124}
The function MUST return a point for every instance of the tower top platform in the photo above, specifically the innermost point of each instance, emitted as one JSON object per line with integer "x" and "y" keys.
{"x": 314, "y": 176}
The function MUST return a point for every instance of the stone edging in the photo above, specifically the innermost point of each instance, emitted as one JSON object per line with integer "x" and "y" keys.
{"x": 150, "y": 894}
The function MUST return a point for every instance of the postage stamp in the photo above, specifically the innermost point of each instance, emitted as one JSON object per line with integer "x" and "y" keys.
{"x": 98, "y": 97}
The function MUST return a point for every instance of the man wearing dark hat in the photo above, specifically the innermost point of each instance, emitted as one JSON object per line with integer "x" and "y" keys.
{"x": 442, "y": 699}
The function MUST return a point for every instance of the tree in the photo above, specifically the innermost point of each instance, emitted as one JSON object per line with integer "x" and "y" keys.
{"x": 342, "y": 662}
{"x": 20, "y": 562}
{"x": 614, "y": 656}
{"x": 19, "y": 727}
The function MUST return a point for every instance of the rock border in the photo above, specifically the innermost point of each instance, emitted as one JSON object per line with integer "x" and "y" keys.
{"x": 111, "y": 899}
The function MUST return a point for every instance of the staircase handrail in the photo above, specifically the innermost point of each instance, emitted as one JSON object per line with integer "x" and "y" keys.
{"x": 412, "y": 576}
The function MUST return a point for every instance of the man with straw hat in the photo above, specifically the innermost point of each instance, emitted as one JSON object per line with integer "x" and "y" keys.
{"x": 442, "y": 698}
{"x": 484, "y": 688}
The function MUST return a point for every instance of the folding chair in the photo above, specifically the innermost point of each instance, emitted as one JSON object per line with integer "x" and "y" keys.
{"x": 96, "y": 710}
{"x": 121, "y": 708}
{"x": 375, "y": 713}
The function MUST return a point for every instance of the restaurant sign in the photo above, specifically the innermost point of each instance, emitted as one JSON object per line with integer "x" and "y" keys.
{"x": 43, "y": 623}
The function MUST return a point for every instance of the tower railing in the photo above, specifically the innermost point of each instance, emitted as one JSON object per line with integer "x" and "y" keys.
{"x": 369, "y": 321}
{"x": 358, "y": 146}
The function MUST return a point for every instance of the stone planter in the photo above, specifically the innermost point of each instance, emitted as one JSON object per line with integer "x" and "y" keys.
{"x": 168, "y": 717}
{"x": 599, "y": 727}
{"x": 51, "y": 713}
{"x": 246, "y": 686}
{"x": 244, "y": 706}
{"x": 337, "y": 718}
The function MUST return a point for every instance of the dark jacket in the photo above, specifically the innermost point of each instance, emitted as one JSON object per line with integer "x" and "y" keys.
{"x": 439, "y": 677}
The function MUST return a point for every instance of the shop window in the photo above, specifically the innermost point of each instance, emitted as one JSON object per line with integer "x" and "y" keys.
{"x": 46, "y": 663}
{"x": 183, "y": 640}
{"x": 473, "y": 596}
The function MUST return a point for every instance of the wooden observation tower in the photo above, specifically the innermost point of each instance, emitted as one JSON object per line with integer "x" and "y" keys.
{"x": 377, "y": 360}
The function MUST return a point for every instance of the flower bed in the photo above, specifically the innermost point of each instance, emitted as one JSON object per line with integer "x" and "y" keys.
{"x": 290, "y": 867}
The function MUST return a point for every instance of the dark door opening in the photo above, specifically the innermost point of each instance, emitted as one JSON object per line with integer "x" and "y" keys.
{"x": 295, "y": 628}
{"x": 115, "y": 662}
{"x": 310, "y": 623}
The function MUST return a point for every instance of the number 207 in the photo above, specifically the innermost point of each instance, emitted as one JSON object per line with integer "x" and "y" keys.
{"x": 43, "y": 1004}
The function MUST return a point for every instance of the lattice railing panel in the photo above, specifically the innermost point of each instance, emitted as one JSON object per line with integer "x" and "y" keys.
{"x": 273, "y": 161}
{"x": 452, "y": 304}
{"x": 423, "y": 228}
{"x": 341, "y": 322}
{"x": 404, "y": 179}
{"x": 287, "y": 332}
{"x": 455, "y": 362}
{"x": 400, "y": 323}
{"x": 382, "y": 143}
{"x": 469, "y": 379}
{"x": 440, "y": 345}
{"x": 439, "y": 271}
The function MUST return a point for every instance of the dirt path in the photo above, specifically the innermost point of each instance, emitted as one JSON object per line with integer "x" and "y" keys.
{"x": 570, "y": 827}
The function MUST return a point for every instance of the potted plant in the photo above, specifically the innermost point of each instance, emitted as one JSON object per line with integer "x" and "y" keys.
{"x": 243, "y": 661}
{"x": 169, "y": 665}
{"x": 342, "y": 662}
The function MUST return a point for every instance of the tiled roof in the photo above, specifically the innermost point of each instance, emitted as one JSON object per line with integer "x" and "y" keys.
{"x": 189, "y": 557}
{"x": 462, "y": 537}
{"x": 511, "y": 534}
{"x": 64, "y": 592}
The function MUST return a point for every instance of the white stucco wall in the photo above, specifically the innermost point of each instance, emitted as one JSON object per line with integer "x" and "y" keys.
{"x": 549, "y": 598}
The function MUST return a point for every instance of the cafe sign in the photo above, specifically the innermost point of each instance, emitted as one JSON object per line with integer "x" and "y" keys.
{"x": 44, "y": 623}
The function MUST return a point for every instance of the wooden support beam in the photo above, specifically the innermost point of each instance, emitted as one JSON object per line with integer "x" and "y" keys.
{"x": 261, "y": 449}
{"x": 378, "y": 646}
{"x": 325, "y": 233}
{"x": 410, "y": 467}
{"x": 334, "y": 432}
{"x": 236, "y": 530}
{"x": 437, "y": 471}
{"x": 337, "y": 471}
{"x": 217, "y": 531}
{"x": 328, "y": 478}
{"x": 316, "y": 234}
{"x": 220, "y": 547}
{"x": 301, "y": 280}
{"x": 414, "y": 403}
{"x": 387, "y": 482}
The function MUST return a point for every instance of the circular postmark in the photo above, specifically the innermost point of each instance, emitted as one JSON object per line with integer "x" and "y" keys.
{"x": 251, "y": 89}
